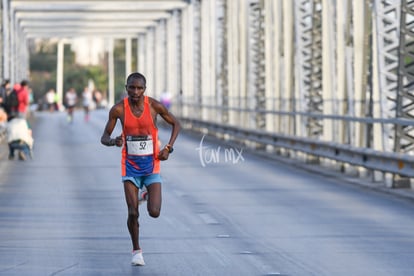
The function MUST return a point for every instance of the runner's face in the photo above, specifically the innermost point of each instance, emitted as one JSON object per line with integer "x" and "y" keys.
{"x": 135, "y": 89}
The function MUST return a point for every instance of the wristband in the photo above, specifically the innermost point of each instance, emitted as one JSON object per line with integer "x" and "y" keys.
{"x": 169, "y": 148}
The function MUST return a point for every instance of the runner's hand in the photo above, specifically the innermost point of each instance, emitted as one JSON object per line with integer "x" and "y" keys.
{"x": 163, "y": 154}
{"x": 119, "y": 141}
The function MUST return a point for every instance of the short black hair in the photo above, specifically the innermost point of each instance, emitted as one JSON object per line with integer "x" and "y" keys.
{"x": 24, "y": 83}
{"x": 137, "y": 75}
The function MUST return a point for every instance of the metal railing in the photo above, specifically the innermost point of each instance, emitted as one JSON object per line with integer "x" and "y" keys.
{"x": 386, "y": 162}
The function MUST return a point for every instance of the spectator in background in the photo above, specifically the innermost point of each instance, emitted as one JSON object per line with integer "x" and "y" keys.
{"x": 3, "y": 118}
{"x": 12, "y": 102}
{"x": 24, "y": 99}
{"x": 4, "y": 91}
{"x": 3, "y": 123}
{"x": 19, "y": 137}
{"x": 56, "y": 101}
{"x": 166, "y": 99}
{"x": 31, "y": 96}
{"x": 97, "y": 97}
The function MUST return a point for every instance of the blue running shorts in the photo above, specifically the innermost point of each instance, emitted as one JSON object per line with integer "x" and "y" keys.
{"x": 146, "y": 180}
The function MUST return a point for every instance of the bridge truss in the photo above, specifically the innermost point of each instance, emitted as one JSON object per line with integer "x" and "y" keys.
{"x": 337, "y": 71}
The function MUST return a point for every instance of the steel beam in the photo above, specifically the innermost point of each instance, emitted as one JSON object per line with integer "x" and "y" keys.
{"x": 222, "y": 92}
{"x": 404, "y": 135}
{"x": 91, "y": 6}
{"x": 309, "y": 39}
{"x": 257, "y": 72}
{"x": 387, "y": 20}
{"x": 6, "y": 50}
{"x": 89, "y": 16}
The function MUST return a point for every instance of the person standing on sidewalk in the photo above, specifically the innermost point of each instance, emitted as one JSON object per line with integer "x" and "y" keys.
{"x": 23, "y": 96}
{"x": 141, "y": 154}
{"x": 4, "y": 91}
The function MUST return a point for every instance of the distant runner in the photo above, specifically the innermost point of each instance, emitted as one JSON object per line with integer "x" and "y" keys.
{"x": 71, "y": 99}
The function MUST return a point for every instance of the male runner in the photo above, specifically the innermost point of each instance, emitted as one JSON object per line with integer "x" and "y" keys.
{"x": 141, "y": 153}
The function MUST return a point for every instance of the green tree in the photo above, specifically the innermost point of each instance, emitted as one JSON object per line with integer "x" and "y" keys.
{"x": 43, "y": 59}
{"x": 43, "y": 66}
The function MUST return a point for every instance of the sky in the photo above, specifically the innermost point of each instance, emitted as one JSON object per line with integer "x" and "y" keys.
{"x": 88, "y": 50}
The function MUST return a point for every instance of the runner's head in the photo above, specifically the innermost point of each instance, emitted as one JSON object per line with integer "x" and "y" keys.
{"x": 135, "y": 86}
{"x": 136, "y": 75}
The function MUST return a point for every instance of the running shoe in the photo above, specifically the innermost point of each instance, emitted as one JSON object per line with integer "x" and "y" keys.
{"x": 137, "y": 258}
{"x": 142, "y": 195}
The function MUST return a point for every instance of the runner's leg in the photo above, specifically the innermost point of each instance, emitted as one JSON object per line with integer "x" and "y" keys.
{"x": 131, "y": 197}
{"x": 154, "y": 199}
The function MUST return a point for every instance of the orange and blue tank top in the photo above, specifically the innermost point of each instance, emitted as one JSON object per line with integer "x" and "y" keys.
{"x": 140, "y": 151}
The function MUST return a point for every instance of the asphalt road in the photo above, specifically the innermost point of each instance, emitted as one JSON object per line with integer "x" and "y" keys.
{"x": 225, "y": 212}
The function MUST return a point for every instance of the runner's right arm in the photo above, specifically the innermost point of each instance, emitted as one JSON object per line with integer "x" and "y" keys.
{"x": 114, "y": 115}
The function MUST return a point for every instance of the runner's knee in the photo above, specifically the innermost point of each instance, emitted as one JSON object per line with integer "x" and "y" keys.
{"x": 154, "y": 212}
{"x": 132, "y": 213}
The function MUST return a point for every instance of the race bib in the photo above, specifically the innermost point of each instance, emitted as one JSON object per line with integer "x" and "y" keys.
{"x": 139, "y": 145}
